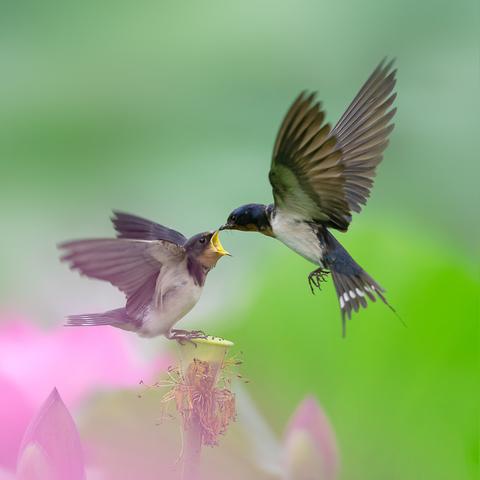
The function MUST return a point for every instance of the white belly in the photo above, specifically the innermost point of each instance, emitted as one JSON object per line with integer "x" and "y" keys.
{"x": 175, "y": 296}
{"x": 298, "y": 236}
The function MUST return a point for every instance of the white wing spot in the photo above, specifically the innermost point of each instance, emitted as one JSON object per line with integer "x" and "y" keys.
{"x": 345, "y": 297}
{"x": 342, "y": 303}
{"x": 352, "y": 294}
{"x": 372, "y": 287}
{"x": 359, "y": 292}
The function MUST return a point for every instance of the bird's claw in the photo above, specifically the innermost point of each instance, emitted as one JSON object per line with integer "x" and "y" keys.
{"x": 183, "y": 336}
{"x": 316, "y": 277}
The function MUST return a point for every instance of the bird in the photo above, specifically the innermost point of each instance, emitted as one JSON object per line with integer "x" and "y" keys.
{"x": 319, "y": 177}
{"x": 160, "y": 271}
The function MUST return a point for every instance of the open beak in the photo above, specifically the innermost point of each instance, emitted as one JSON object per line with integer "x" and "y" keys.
{"x": 217, "y": 246}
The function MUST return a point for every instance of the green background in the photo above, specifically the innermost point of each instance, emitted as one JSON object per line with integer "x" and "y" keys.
{"x": 169, "y": 110}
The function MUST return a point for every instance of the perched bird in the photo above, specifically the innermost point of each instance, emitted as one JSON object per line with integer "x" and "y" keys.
{"x": 319, "y": 176}
{"x": 161, "y": 273}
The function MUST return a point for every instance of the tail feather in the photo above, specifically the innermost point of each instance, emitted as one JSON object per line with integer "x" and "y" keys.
{"x": 352, "y": 283}
{"x": 116, "y": 318}
{"x": 353, "y": 291}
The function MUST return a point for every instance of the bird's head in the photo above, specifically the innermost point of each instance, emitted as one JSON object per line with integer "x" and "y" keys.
{"x": 252, "y": 217}
{"x": 206, "y": 248}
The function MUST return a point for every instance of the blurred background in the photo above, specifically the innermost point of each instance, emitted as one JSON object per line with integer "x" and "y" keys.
{"x": 169, "y": 110}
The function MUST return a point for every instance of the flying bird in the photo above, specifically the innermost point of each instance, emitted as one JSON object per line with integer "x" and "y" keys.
{"x": 319, "y": 177}
{"x": 161, "y": 273}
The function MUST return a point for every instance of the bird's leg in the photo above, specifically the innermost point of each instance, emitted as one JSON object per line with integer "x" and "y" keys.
{"x": 316, "y": 277}
{"x": 182, "y": 336}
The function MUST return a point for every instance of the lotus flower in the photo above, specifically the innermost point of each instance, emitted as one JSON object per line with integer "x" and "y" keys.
{"x": 308, "y": 450}
{"x": 51, "y": 447}
{"x": 78, "y": 362}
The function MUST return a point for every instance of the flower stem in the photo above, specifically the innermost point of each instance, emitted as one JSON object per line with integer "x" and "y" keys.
{"x": 199, "y": 400}
{"x": 192, "y": 447}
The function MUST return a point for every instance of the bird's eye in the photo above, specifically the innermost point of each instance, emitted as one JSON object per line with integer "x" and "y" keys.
{"x": 233, "y": 218}
{"x": 202, "y": 240}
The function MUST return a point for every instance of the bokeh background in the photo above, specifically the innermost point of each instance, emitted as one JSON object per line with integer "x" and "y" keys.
{"x": 169, "y": 110}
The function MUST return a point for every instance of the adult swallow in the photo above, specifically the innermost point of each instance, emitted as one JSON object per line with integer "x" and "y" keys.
{"x": 161, "y": 273}
{"x": 319, "y": 176}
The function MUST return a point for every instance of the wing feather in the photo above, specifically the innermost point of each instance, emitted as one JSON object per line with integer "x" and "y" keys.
{"x": 325, "y": 174}
{"x": 133, "y": 226}
{"x": 132, "y": 266}
{"x": 362, "y": 133}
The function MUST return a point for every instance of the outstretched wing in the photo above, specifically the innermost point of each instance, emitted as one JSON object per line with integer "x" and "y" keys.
{"x": 130, "y": 265}
{"x": 322, "y": 174}
{"x": 362, "y": 133}
{"x": 132, "y": 226}
{"x": 306, "y": 171}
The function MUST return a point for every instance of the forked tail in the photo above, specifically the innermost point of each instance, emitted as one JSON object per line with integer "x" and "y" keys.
{"x": 352, "y": 283}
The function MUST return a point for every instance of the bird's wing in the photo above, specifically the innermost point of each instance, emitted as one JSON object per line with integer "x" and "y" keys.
{"x": 132, "y": 226}
{"x": 323, "y": 174}
{"x": 132, "y": 266}
{"x": 362, "y": 133}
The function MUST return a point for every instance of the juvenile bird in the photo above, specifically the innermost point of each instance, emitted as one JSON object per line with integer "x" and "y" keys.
{"x": 161, "y": 273}
{"x": 319, "y": 176}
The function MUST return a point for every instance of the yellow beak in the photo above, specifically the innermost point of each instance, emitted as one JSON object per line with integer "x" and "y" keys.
{"x": 217, "y": 246}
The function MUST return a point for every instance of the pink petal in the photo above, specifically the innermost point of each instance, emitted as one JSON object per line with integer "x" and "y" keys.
{"x": 310, "y": 443}
{"x": 76, "y": 360}
{"x": 51, "y": 445}
{"x": 15, "y": 414}
{"x": 4, "y": 475}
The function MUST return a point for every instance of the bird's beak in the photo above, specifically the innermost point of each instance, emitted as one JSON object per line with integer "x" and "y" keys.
{"x": 217, "y": 246}
{"x": 225, "y": 226}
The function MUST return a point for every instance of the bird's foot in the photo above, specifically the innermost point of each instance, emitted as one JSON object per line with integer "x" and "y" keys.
{"x": 316, "y": 278}
{"x": 182, "y": 336}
